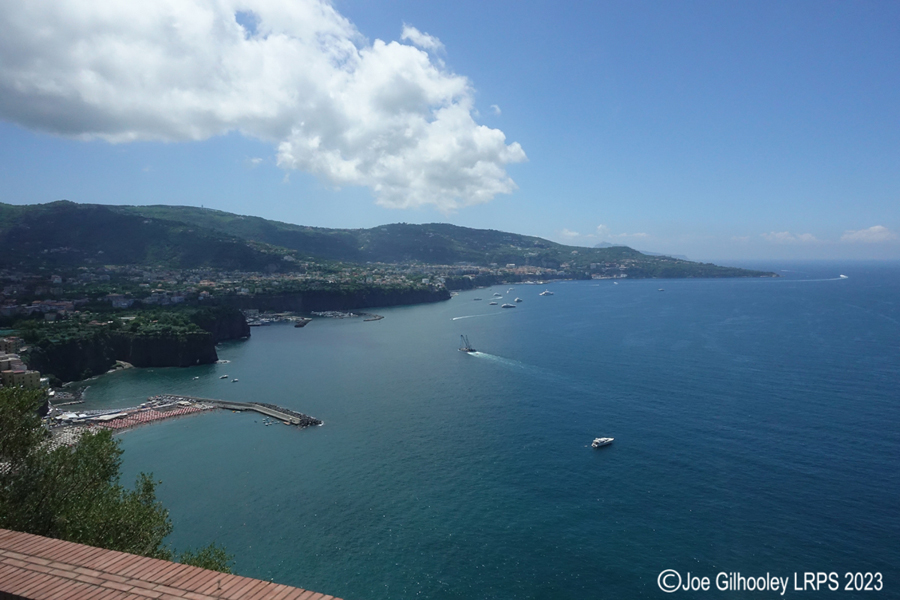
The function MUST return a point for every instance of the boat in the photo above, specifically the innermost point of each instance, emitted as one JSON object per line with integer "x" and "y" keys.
{"x": 661, "y": 290}
{"x": 302, "y": 322}
{"x": 498, "y": 295}
{"x": 492, "y": 303}
{"x": 518, "y": 299}
{"x": 600, "y": 442}
{"x": 234, "y": 380}
{"x": 464, "y": 345}
{"x": 844, "y": 277}
{"x": 224, "y": 377}
{"x": 507, "y": 306}
{"x": 546, "y": 293}
{"x": 476, "y": 298}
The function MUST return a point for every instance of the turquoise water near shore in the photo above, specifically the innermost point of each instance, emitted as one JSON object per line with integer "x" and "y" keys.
{"x": 756, "y": 425}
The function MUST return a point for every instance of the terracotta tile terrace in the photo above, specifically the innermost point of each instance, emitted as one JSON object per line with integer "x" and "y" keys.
{"x": 39, "y": 568}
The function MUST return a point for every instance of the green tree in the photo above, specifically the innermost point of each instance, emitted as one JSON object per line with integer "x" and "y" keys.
{"x": 74, "y": 493}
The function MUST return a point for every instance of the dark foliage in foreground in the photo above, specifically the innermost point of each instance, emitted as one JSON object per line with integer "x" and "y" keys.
{"x": 74, "y": 493}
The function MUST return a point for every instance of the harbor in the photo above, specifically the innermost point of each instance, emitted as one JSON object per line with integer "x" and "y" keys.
{"x": 67, "y": 426}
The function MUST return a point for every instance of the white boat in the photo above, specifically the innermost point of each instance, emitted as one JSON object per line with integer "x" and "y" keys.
{"x": 224, "y": 377}
{"x": 498, "y": 295}
{"x": 518, "y": 299}
{"x": 492, "y": 303}
{"x": 507, "y": 306}
{"x": 464, "y": 345}
{"x": 844, "y": 277}
{"x": 546, "y": 293}
{"x": 600, "y": 442}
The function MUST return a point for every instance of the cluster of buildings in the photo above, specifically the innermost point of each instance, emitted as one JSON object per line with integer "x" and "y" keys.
{"x": 14, "y": 372}
{"x": 24, "y": 295}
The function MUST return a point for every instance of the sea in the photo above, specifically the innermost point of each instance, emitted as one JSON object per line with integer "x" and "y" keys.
{"x": 756, "y": 425}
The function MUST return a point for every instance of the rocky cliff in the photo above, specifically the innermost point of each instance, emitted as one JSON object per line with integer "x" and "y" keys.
{"x": 336, "y": 299}
{"x": 75, "y": 359}
{"x": 223, "y": 322}
{"x": 94, "y": 351}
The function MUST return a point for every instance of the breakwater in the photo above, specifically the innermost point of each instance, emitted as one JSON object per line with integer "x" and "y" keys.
{"x": 285, "y": 415}
{"x": 68, "y": 426}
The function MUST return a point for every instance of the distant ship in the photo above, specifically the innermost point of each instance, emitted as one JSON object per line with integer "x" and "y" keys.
{"x": 507, "y": 306}
{"x": 844, "y": 277}
{"x": 492, "y": 303}
{"x": 476, "y": 298}
{"x": 518, "y": 299}
{"x": 497, "y": 294}
{"x": 546, "y": 293}
{"x": 464, "y": 345}
{"x": 600, "y": 442}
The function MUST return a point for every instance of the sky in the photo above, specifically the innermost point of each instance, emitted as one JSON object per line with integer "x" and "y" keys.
{"x": 715, "y": 130}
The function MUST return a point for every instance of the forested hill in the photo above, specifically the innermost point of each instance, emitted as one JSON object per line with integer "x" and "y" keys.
{"x": 67, "y": 233}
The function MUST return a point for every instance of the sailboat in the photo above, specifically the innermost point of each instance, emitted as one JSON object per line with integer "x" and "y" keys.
{"x": 464, "y": 344}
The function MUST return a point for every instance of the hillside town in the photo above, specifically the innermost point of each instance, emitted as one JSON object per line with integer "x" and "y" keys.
{"x": 56, "y": 295}
{"x": 14, "y": 372}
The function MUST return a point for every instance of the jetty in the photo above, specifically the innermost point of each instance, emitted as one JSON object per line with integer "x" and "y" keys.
{"x": 67, "y": 427}
{"x": 284, "y": 415}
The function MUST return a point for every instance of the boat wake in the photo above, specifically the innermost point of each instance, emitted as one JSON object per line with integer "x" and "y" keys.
{"x": 473, "y": 316}
{"x": 539, "y": 373}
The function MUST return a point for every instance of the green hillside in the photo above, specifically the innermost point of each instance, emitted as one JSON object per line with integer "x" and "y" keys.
{"x": 68, "y": 234}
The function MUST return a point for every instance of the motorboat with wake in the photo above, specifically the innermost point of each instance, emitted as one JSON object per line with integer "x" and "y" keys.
{"x": 464, "y": 345}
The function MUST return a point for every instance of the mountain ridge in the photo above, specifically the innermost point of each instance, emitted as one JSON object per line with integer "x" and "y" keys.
{"x": 65, "y": 233}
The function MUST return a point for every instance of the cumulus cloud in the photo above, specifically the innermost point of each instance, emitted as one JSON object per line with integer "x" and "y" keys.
{"x": 297, "y": 74}
{"x": 422, "y": 40}
{"x": 569, "y": 234}
{"x": 495, "y": 108}
{"x": 786, "y": 237}
{"x": 872, "y": 235}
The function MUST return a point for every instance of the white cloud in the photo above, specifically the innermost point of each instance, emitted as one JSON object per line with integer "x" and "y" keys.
{"x": 786, "y": 237}
{"x": 254, "y": 162}
{"x": 872, "y": 235}
{"x": 297, "y": 74}
{"x": 496, "y": 109}
{"x": 606, "y": 234}
{"x": 570, "y": 234}
{"x": 421, "y": 40}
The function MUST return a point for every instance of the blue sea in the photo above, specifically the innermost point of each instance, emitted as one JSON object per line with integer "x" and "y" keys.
{"x": 756, "y": 425}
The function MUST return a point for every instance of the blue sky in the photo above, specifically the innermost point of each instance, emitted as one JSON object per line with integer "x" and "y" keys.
{"x": 715, "y": 130}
